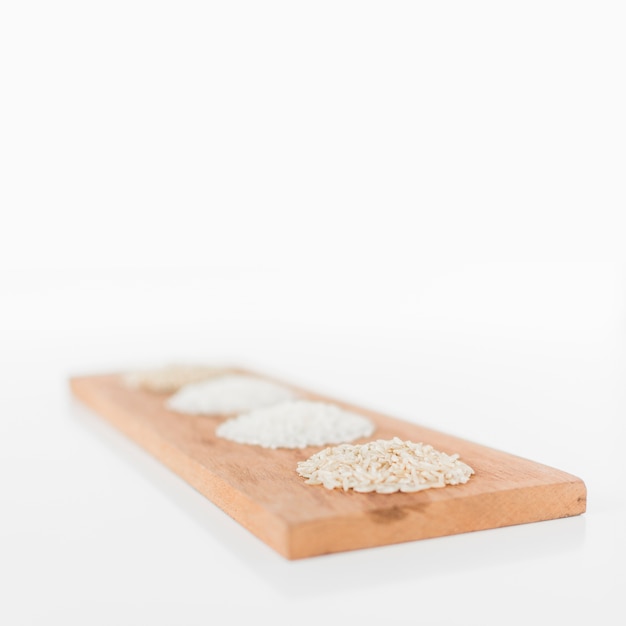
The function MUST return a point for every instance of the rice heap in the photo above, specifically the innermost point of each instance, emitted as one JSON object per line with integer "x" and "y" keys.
{"x": 296, "y": 424}
{"x": 384, "y": 466}
{"x": 170, "y": 378}
{"x": 231, "y": 393}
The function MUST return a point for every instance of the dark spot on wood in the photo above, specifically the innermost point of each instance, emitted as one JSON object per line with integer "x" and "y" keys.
{"x": 385, "y": 516}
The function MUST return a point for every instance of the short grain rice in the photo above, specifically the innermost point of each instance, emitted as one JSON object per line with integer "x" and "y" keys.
{"x": 296, "y": 424}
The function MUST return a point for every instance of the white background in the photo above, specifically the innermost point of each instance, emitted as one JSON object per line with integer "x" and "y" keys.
{"x": 417, "y": 207}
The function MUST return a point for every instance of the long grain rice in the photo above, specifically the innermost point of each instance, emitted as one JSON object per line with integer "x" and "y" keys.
{"x": 232, "y": 393}
{"x": 384, "y": 466}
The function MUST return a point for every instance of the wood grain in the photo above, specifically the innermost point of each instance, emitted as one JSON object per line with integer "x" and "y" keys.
{"x": 260, "y": 489}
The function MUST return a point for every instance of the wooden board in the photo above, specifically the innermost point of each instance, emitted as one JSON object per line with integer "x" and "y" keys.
{"x": 260, "y": 489}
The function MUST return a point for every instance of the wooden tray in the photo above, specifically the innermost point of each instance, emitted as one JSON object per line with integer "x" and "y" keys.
{"x": 260, "y": 489}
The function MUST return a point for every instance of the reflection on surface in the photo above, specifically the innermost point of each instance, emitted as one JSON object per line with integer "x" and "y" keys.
{"x": 350, "y": 570}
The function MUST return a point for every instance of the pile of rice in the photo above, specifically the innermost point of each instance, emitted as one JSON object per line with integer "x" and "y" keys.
{"x": 384, "y": 466}
{"x": 170, "y": 378}
{"x": 232, "y": 393}
{"x": 296, "y": 424}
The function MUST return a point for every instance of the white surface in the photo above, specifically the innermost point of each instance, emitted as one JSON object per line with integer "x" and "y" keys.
{"x": 95, "y": 531}
{"x": 418, "y": 209}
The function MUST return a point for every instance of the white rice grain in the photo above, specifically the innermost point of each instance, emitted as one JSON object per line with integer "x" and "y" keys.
{"x": 233, "y": 393}
{"x": 296, "y": 424}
